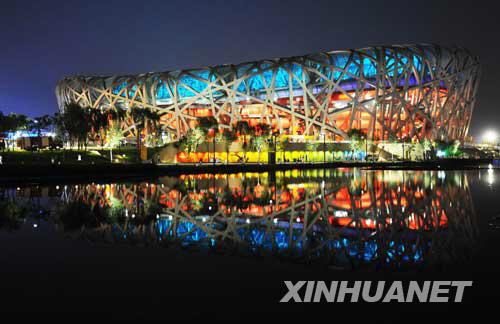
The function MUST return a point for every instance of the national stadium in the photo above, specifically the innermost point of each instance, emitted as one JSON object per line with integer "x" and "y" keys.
{"x": 400, "y": 92}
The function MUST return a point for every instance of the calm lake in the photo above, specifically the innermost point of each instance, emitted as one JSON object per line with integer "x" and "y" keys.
{"x": 222, "y": 245}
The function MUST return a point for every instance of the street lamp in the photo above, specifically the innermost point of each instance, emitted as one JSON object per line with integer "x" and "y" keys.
{"x": 214, "y": 141}
{"x": 403, "y": 143}
{"x": 324, "y": 147}
{"x": 275, "y": 135}
{"x": 365, "y": 137}
{"x": 490, "y": 137}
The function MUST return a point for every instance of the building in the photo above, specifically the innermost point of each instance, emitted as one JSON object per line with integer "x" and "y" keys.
{"x": 410, "y": 92}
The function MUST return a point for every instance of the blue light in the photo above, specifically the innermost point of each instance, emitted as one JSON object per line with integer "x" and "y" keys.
{"x": 281, "y": 240}
{"x": 184, "y": 92}
{"x": 193, "y": 83}
{"x": 255, "y": 81}
{"x": 281, "y": 78}
{"x": 132, "y": 90}
{"x": 258, "y": 78}
{"x": 352, "y": 68}
{"x": 118, "y": 88}
{"x": 268, "y": 77}
{"x": 258, "y": 239}
{"x": 417, "y": 62}
{"x": 340, "y": 60}
{"x": 162, "y": 92}
{"x": 256, "y": 236}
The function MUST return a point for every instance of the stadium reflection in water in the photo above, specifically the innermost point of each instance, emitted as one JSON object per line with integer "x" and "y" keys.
{"x": 344, "y": 217}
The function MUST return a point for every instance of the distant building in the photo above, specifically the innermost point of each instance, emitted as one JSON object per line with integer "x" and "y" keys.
{"x": 28, "y": 140}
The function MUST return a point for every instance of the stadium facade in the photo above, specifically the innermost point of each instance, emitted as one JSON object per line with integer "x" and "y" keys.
{"x": 407, "y": 92}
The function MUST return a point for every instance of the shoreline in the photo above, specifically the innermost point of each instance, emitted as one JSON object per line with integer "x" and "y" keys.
{"x": 49, "y": 173}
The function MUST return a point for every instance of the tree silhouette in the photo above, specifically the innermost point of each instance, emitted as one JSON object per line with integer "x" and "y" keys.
{"x": 228, "y": 136}
{"x": 40, "y": 123}
{"x": 261, "y": 137}
{"x": 356, "y": 137}
{"x": 209, "y": 125}
{"x": 76, "y": 121}
{"x": 144, "y": 120}
{"x": 244, "y": 129}
{"x": 13, "y": 122}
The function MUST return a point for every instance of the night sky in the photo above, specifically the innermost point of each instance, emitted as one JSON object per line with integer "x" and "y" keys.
{"x": 44, "y": 41}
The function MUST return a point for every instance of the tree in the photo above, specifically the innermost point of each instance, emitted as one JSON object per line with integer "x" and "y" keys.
{"x": 228, "y": 136}
{"x": 75, "y": 214}
{"x": 355, "y": 133}
{"x": 312, "y": 146}
{"x": 281, "y": 144}
{"x": 139, "y": 117}
{"x": 454, "y": 149}
{"x": 153, "y": 125}
{"x": 244, "y": 129}
{"x": 449, "y": 148}
{"x": 40, "y": 123}
{"x": 114, "y": 136}
{"x": 144, "y": 119}
{"x": 406, "y": 139}
{"x": 13, "y": 122}
{"x": 259, "y": 143}
{"x": 76, "y": 122}
{"x": 117, "y": 115}
{"x": 12, "y": 213}
{"x": 356, "y": 137}
{"x": 193, "y": 138}
{"x": 209, "y": 125}
{"x": 426, "y": 148}
{"x": 261, "y": 137}
{"x": 59, "y": 128}
{"x": 262, "y": 129}
{"x": 99, "y": 123}
{"x": 19, "y": 121}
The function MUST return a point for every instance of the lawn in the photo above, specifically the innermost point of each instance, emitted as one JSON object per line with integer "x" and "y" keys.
{"x": 99, "y": 156}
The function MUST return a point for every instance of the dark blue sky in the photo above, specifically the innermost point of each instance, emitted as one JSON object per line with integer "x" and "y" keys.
{"x": 43, "y": 41}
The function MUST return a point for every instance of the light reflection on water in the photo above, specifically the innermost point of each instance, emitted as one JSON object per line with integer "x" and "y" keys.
{"x": 342, "y": 217}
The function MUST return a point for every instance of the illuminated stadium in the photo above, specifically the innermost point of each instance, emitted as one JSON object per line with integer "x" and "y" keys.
{"x": 409, "y": 92}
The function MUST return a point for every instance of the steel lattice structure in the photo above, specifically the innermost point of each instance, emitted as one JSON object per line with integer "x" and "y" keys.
{"x": 402, "y": 91}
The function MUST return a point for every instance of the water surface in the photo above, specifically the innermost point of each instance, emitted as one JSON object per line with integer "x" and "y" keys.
{"x": 238, "y": 236}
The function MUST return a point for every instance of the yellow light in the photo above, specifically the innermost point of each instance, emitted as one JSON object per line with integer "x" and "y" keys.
{"x": 490, "y": 137}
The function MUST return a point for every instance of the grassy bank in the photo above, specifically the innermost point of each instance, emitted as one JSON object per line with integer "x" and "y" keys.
{"x": 72, "y": 157}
